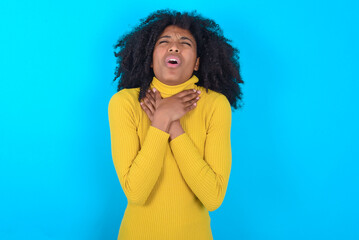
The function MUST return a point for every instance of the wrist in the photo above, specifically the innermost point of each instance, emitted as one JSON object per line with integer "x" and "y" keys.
{"x": 161, "y": 122}
{"x": 175, "y": 130}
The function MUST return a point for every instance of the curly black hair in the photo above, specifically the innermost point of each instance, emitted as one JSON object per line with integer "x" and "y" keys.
{"x": 219, "y": 68}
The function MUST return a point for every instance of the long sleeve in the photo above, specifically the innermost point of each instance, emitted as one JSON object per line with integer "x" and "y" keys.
{"x": 208, "y": 176}
{"x": 138, "y": 167}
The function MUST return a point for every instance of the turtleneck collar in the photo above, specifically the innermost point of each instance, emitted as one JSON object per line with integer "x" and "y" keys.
{"x": 169, "y": 90}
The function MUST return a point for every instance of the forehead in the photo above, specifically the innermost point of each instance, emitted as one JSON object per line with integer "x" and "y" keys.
{"x": 174, "y": 31}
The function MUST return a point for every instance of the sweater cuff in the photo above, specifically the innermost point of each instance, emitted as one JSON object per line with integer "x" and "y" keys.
{"x": 177, "y": 139}
{"x": 157, "y": 141}
{"x": 184, "y": 149}
{"x": 156, "y": 135}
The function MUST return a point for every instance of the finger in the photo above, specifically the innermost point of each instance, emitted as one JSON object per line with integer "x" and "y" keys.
{"x": 190, "y": 107}
{"x": 191, "y": 102}
{"x": 148, "y": 104}
{"x": 190, "y": 97}
{"x": 146, "y": 109}
{"x": 187, "y": 92}
{"x": 152, "y": 98}
{"x": 145, "y": 104}
{"x": 157, "y": 94}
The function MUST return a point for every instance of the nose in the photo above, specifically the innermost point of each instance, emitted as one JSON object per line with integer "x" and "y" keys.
{"x": 173, "y": 48}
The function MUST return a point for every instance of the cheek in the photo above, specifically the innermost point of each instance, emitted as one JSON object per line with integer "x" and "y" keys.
{"x": 156, "y": 61}
{"x": 192, "y": 59}
{"x": 192, "y": 55}
{"x": 156, "y": 56}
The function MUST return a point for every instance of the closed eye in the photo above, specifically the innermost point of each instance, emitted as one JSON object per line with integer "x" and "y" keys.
{"x": 163, "y": 42}
{"x": 186, "y": 43}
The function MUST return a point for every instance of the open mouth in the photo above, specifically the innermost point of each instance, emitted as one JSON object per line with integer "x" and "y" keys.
{"x": 173, "y": 61}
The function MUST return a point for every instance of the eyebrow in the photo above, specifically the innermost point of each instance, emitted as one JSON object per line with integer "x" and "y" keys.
{"x": 182, "y": 38}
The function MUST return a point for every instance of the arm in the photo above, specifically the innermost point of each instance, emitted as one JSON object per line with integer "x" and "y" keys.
{"x": 208, "y": 177}
{"x": 175, "y": 129}
{"x": 138, "y": 167}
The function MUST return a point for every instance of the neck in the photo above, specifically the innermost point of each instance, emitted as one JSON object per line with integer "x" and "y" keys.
{"x": 169, "y": 90}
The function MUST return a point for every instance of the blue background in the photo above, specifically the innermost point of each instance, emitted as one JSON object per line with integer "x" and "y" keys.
{"x": 295, "y": 143}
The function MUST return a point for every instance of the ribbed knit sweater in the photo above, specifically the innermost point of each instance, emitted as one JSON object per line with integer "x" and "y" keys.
{"x": 171, "y": 185}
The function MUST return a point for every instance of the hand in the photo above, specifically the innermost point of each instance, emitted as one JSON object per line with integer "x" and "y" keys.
{"x": 177, "y": 105}
{"x": 173, "y": 107}
{"x": 148, "y": 104}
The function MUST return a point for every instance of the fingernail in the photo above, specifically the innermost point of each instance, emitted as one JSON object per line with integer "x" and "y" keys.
{"x": 141, "y": 103}
{"x": 194, "y": 90}
{"x": 197, "y": 97}
{"x": 154, "y": 89}
{"x": 199, "y": 91}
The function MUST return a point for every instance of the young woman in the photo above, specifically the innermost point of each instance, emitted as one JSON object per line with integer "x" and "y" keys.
{"x": 170, "y": 124}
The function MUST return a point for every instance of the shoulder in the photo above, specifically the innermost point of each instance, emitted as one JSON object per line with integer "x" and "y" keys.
{"x": 214, "y": 99}
{"x": 126, "y": 96}
{"x": 216, "y": 109}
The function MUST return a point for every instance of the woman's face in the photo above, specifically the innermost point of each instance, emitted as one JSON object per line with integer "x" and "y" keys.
{"x": 174, "y": 56}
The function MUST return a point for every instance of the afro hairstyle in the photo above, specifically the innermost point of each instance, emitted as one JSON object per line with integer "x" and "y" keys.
{"x": 219, "y": 68}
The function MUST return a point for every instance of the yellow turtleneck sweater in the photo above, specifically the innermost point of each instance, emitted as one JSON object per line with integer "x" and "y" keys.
{"x": 171, "y": 185}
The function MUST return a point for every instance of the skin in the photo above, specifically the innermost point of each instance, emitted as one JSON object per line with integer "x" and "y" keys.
{"x": 178, "y": 42}
{"x": 165, "y": 113}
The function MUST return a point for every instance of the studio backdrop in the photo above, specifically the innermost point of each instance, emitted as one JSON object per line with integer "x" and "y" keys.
{"x": 295, "y": 141}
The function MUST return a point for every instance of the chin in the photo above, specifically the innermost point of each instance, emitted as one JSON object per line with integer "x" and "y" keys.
{"x": 172, "y": 80}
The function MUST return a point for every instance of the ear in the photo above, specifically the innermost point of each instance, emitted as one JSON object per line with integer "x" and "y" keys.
{"x": 196, "y": 66}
